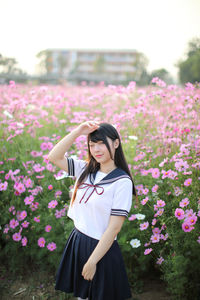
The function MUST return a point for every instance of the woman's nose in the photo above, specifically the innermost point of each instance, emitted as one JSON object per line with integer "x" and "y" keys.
{"x": 96, "y": 147}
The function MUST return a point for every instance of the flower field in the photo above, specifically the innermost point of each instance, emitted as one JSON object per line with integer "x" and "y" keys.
{"x": 160, "y": 130}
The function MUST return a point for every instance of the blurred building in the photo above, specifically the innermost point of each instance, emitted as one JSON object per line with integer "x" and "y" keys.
{"x": 92, "y": 65}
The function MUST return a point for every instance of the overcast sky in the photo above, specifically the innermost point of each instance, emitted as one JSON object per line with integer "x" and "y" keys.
{"x": 160, "y": 29}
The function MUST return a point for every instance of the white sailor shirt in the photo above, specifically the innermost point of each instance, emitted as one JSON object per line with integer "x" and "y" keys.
{"x": 98, "y": 197}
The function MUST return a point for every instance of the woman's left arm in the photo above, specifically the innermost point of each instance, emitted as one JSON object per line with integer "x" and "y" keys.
{"x": 104, "y": 244}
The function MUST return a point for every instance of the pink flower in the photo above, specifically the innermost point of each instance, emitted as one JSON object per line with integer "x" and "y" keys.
{"x": 38, "y": 168}
{"x": 164, "y": 236}
{"x": 23, "y": 215}
{"x": 13, "y": 223}
{"x": 37, "y": 219}
{"x": 179, "y": 213}
{"x": 52, "y": 204}
{"x": 154, "y": 221}
{"x": 19, "y": 187}
{"x": 191, "y": 220}
{"x": 188, "y": 182}
{"x": 144, "y": 201}
{"x": 48, "y": 228}
{"x": 184, "y": 202}
{"x": 132, "y": 217}
{"x": 161, "y": 203}
{"x": 58, "y": 193}
{"x": 158, "y": 81}
{"x": 159, "y": 212}
{"x": 12, "y": 84}
{"x": 25, "y": 224}
{"x": 28, "y": 200}
{"x": 154, "y": 188}
{"x": 156, "y": 230}
{"x": 186, "y": 226}
{"x": 3, "y": 186}
{"x": 17, "y": 237}
{"x": 34, "y": 206}
{"x": 51, "y": 246}
{"x": 165, "y": 174}
{"x": 155, "y": 173}
{"x": 24, "y": 241}
{"x": 44, "y": 146}
{"x": 50, "y": 167}
{"x": 155, "y": 207}
{"x": 36, "y": 153}
{"x": 189, "y": 213}
{"x": 58, "y": 214}
{"x": 28, "y": 183}
{"x": 155, "y": 238}
{"x": 6, "y": 229}
{"x": 50, "y": 187}
{"x": 144, "y": 225}
{"x": 177, "y": 191}
{"x": 147, "y": 251}
{"x": 160, "y": 260}
{"x": 163, "y": 227}
{"x": 41, "y": 242}
{"x": 145, "y": 191}
{"x": 11, "y": 208}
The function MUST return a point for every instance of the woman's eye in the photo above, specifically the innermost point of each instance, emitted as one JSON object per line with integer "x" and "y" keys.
{"x": 99, "y": 143}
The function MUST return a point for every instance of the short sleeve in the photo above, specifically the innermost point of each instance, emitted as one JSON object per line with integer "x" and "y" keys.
{"x": 75, "y": 166}
{"x": 122, "y": 199}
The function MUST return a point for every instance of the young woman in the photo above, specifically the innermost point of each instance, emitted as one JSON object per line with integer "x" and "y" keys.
{"x": 92, "y": 265}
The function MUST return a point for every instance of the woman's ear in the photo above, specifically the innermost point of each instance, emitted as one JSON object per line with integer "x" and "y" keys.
{"x": 116, "y": 143}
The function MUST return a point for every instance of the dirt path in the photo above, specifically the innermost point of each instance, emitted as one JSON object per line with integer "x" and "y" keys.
{"x": 39, "y": 285}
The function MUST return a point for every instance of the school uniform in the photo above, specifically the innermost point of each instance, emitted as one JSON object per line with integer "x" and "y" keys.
{"x": 98, "y": 197}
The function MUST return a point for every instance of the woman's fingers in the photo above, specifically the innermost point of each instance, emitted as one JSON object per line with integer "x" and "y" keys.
{"x": 93, "y": 123}
{"x": 89, "y": 126}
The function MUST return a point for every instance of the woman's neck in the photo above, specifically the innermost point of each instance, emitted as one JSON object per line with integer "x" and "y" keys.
{"x": 108, "y": 167}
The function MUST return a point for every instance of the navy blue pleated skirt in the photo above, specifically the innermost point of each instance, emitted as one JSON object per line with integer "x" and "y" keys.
{"x": 110, "y": 281}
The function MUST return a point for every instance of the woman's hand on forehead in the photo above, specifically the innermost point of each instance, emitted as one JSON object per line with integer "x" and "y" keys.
{"x": 87, "y": 127}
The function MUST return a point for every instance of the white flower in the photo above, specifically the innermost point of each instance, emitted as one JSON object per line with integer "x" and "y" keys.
{"x": 135, "y": 243}
{"x": 30, "y": 106}
{"x": 8, "y": 114}
{"x": 20, "y": 124}
{"x": 133, "y": 137}
{"x": 140, "y": 216}
{"x": 63, "y": 121}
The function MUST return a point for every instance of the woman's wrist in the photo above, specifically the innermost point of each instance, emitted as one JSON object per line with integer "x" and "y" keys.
{"x": 76, "y": 132}
{"x": 92, "y": 261}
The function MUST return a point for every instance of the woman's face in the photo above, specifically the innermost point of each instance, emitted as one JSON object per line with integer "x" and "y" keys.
{"x": 100, "y": 152}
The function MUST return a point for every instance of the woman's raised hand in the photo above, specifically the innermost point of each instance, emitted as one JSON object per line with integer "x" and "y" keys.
{"x": 88, "y": 127}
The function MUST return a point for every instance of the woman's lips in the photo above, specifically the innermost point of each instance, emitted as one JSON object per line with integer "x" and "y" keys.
{"x": 98, "y": 155}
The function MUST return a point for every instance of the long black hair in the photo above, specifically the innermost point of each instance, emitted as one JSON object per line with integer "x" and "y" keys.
{"x": 104, "y": 130}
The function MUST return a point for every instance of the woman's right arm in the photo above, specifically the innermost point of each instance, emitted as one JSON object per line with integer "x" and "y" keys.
{"x": 56, "y": 155}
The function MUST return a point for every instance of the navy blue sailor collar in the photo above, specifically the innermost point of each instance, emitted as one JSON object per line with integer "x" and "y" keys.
{"x": 113, "y": 176}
